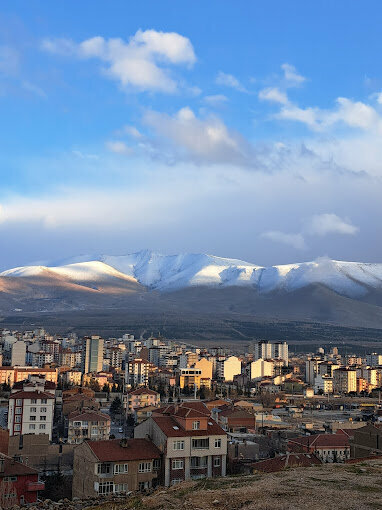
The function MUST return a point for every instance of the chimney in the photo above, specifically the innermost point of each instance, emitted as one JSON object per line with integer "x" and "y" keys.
{"x": 123, "y": 443}
{"x": 1, "y": 464}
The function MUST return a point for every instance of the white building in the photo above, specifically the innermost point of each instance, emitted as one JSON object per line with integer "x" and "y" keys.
{"x": 261, "y": 368}
{"x": 324, "y": 384}
{"x": 31, "y": 407}
{"x": 271, "y": 350}
{"x": 374, "y": 359}
{"x": 18, "y": 353}
{"x": 228, "y": 368}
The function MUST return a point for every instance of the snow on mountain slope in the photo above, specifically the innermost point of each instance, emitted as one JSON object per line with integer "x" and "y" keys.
{"x": 79, "y": 272}
{"x": 172, "y": 272}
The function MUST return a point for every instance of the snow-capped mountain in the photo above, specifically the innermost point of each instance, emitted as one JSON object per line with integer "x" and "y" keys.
{"x": 174, "y": 272}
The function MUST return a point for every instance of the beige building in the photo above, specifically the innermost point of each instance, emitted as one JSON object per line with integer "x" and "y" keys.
{"x": 139, "y": 398}
{"x": 88, "y": 424}
{"x": 114, "y": 467}
{"x": 261, "y": 368}
{"x": 228, "y": 368}
{"x": 206, "y": 368}
{"x": 194, "y": 446}
{"x": 344, "y": 380}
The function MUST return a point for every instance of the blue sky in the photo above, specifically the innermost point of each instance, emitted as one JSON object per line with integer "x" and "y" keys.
{"x": 244, "y": 129}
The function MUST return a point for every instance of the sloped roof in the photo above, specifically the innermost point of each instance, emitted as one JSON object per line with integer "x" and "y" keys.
{"x": 14, "y": 468}
{"x": 112, "y": 450}
{"x": 283, "y": 461}
{"x": 320, "y": 441}
{"x": 31, "y": 394}
{"x": 171, "y": 428}
{"x": 142, "y": 391}
{"x": 89, "y": 415}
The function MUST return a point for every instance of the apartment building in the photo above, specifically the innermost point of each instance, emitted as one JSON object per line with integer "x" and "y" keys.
{"x": 228, "y": 368}
{"x": 115, "y": 467}
{"x": 261, "y": 368}
{"x": 137, "y": 372}
{"x": 193, "y": 445}
{"x": 344, "y": 380}
{"x": 271, "y": 350}
{"x": 140, "y": 398}
{"x": 192, "y": 378}
{"x": 88, "y": 424}
{"x": 31, "y": 408}
{"x": 92, "y": 354}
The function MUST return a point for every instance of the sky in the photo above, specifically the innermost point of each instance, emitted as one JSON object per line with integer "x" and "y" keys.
{"x": 249, "y": 130}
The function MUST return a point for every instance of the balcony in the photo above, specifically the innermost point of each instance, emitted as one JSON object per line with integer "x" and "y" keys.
{"x": 35, "y": 486}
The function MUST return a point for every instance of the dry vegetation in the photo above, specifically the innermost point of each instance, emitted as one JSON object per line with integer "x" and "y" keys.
{"x": 357, "y": 486}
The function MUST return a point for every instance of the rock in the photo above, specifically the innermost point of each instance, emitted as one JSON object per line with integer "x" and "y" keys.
{"x": 216, "y": 502}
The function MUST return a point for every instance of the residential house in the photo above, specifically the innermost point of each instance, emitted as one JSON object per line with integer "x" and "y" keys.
{"x": 19, "y": 484}
{"x": 88, "y": 424}
{"x": 140, "y": 398}
{"x": 115, "y": 467}
{"x": 193, "y": 444}
{"x": 327, "y": 447}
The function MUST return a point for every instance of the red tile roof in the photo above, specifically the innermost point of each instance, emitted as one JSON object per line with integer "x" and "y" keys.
{"x": 284, "y": 461}
{"x": 31, "y": 394}
{"x": 142, "y": 391}
{"x": 14, "y": 468}
{"x": 89, "y": 415}
{"x": 320, "y": 441}
{"x": 185, "y": 410}
{"x": 135, "y": 449}
{"x": 171, "y": 428}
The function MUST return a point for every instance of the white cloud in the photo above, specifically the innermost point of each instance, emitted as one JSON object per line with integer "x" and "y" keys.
{"x": 274, "y": 95}
{"x": 118, "y": 147}
{"x": 354, "y": 114}
{"x": 133, "y": 132}
{"x": 139, "y": 63}
{"x": 291, "y": 75}
{"x": 206, "y": 141}
{"x": 216, "y": 99}
{"x": 323, "y": 224}
{"x": 295, "y": 240}
{"x": 228, "y": 80}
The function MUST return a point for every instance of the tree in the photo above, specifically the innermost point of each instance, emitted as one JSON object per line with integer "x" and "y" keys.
{"x": 116, "y": 406}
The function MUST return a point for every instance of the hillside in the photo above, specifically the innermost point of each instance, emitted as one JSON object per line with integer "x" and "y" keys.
{"x": 336, "y": 486}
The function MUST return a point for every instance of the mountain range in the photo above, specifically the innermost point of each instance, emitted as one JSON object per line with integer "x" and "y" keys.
{"x": 324, "y": 290}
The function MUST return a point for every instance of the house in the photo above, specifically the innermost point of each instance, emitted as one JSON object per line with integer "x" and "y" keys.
{"x": 327, "y": 447}
{"x": 139, "y": 398}
{"x": 284, "y": 461}
{"x": 19, "y": 484}
{"x": 115, "y": 467}
{"x": 88, "y": 424}
{"x": 235, "y": 419}
{"x": 366, "y": 441}
{"x": 193, "y": 445}
{"x": 31, "y": 407}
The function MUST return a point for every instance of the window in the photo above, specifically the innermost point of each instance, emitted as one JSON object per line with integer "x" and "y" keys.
{"x": 143, "y": 485}
{"x": 105, "y": 488}
{"x": 33, "y": 418}
{"x": 156, "y": 464}
{"x": 77, "y": 424}
{"x": 178, "y": 445}
{"x": 104, "y": 469}
{"x": 18, "y": 419}
{"x": 33, "y": 409}
{"x": 177, "y": 464}
{"x": 216, "y": 461}
{"x": 32, "y": 426}
{"x": 33, "y": 401}
{"x": 44, "y": 401}
{"x": 18, "y": 410}
{"x": 120, "y": 488}
{"x": 42, "y": 418}
{"x": 175, "y": 481}
{"x": 17, "y": 427}
{"x": 198, "y": 462}
{"x": 43, "y": 410}
{"x": 144, "y": 467}
{"x": 42, "y": 427}
{"x": 19, "y": 402}
{"x": 120, "y": 468}
{"x": 218, "y": 443}
{"x": 195, "y": 425}
{"x": 10, "y": 478}
{"x": 201, "y": 444}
